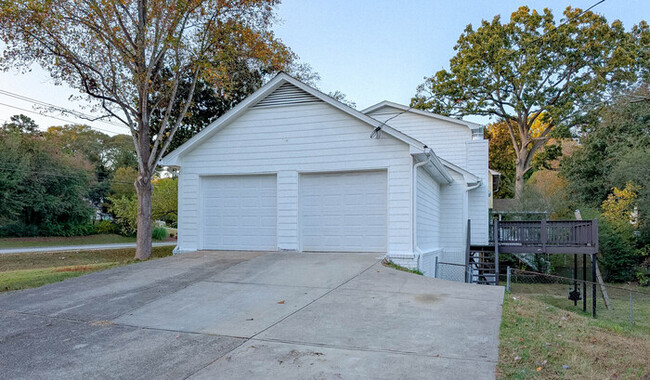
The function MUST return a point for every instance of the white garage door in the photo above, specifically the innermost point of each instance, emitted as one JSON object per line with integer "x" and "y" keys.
{"x": 344, "y": 212}
{"x": 239, "y": 212}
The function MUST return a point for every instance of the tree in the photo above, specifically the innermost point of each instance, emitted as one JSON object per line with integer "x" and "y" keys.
{"x": 43, "y": 191}
{"x": 20, "y": 124}
{"x": 503, "y": 156}
{"x": 118, "y": 54}
{"x": 122, "y": 182}
{"x": 609, "y": 143}
{"x": 532, "y": 68}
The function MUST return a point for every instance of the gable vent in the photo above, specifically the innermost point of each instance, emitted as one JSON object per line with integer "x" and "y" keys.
{"x": 287, "y": 95}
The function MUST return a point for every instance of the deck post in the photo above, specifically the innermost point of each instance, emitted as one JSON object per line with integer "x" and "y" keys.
{"x": 575, "y": 278}
{"x": 584, "y": 282}
{"x": 508, "y": 279}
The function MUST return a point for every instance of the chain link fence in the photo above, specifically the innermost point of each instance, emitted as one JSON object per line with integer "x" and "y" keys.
{"x": 628, "y": 303}
{"x": 450, "y": 271}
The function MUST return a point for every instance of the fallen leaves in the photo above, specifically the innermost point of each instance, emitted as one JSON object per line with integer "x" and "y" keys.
{"x": 281, "y": 302}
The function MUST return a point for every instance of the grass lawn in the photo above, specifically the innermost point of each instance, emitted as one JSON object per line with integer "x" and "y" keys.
{"x": 30, "y": 270}
{"x": 539, "y": 339}
{"x": 29, "y": 242}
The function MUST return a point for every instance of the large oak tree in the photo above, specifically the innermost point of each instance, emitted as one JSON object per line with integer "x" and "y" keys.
{"x": 532, "y": 67}
{"x": 131, "y": 57}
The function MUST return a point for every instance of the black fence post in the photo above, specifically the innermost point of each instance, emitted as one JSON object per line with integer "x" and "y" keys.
{"x": 468, "y": 276}
{"x": 495, "y": 233}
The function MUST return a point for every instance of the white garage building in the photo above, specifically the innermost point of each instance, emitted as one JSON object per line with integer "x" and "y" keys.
{"x": 291, "y": 169}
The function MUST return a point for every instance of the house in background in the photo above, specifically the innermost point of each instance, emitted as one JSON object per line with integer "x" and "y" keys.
{"x": 291, "y": 169}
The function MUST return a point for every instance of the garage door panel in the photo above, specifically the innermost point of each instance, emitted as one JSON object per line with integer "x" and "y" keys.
{"x": 344, "y": 211}
{"x": 239, "y": 212}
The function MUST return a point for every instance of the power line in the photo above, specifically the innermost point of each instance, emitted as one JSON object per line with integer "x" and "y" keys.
{"x": 53, "y": 117}
{"x": 78, "y": 114}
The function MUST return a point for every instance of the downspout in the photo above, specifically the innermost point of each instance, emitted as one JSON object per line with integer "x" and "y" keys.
{"x": 415, "y": 203}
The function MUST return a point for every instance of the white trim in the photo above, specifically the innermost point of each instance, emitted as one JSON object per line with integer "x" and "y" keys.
{"x": 172, "y": 159}
{"x": 402, "y": 107}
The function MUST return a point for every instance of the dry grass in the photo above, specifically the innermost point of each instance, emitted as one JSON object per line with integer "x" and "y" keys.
{"x": 539, "y": 340}
{"x": 51, "y": 241}
{"x": 30, "y": 270}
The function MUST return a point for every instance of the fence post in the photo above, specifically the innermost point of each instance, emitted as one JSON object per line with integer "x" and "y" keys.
{"x": 508, "y": 279}
{"x": 496, "y": 251}
{"x": 468, "y": 276}
{"x": 435, "y": 268}
{"x": 631, "y": 311}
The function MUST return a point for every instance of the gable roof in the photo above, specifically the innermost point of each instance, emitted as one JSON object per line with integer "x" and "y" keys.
{"x": 404, "y": 108}
{"x": 265, "y": 97}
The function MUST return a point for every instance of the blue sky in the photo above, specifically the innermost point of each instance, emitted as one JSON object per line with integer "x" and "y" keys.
{"x": 370, "y": 50}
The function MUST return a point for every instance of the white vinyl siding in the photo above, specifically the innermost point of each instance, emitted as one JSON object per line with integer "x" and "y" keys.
{"x": 287, "y": 140}
{"x": 453, "y": 201}
{"x": 343, "y": 212}
{"x": 239, "y": 212}
{"x": 478, "y": 199}
{"x": 428, "y": 211}
{"x": 447, "y": 139}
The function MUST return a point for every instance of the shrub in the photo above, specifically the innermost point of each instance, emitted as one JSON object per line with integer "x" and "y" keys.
{"x": 159, "y": 233}
{"x": 106, "y": 227}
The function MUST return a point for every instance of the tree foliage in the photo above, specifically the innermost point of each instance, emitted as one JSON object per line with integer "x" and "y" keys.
{"x": 607, "y": 148}
{"x": 164, "y": 205}
{"x": 43, "y": 191}
{"x": 132, "y": 57}
{"x": 533, "y": 67}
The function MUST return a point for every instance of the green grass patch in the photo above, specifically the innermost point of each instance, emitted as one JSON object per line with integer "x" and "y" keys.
{"x": 31, "y": 242}
{"x": 541, "y": 340}
{"x": 390, "y": 264}
{"x": 30, "y": 270}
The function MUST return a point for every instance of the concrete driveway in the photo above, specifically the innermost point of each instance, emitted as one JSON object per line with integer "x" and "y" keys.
{"x": 234, "y": 315}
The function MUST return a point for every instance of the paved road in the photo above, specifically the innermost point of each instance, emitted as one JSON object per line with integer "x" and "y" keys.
{"x": 249, "y": 315}
{"x": 89, "y": 247}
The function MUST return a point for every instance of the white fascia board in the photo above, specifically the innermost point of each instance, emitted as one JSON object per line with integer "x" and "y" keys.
{"x": 172, "y": 159}
{"x": 470, "y": 178}
{"x": 402, "y": 107}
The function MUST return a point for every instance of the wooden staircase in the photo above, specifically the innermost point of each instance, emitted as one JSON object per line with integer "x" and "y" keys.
{"x": 483, "y": 265}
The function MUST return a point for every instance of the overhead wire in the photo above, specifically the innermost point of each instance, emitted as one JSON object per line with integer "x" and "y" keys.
{"x": 54, "y": 117}
{"x": 76, "y": 113}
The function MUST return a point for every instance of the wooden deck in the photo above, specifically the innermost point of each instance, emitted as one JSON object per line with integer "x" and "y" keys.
{"x": 551, "y": 237}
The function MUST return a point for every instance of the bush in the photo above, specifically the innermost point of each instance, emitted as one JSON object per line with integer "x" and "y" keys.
{"x": 106, "y": 227}
{"x": 54, "y": 229}
{"x": 159, "y": 233}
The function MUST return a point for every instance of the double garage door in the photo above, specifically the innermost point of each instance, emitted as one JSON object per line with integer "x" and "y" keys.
{"x": 340, "y": 212}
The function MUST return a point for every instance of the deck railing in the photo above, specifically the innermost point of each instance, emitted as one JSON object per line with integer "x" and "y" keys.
{"x": 557, "y": 236}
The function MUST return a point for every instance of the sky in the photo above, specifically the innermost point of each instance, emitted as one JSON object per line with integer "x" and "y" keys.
{"x": 371, "y": 50}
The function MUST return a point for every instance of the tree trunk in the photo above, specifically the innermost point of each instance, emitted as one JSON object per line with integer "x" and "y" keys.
{"x": 519, "y": 178}
{"x": 144, "y": 189}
